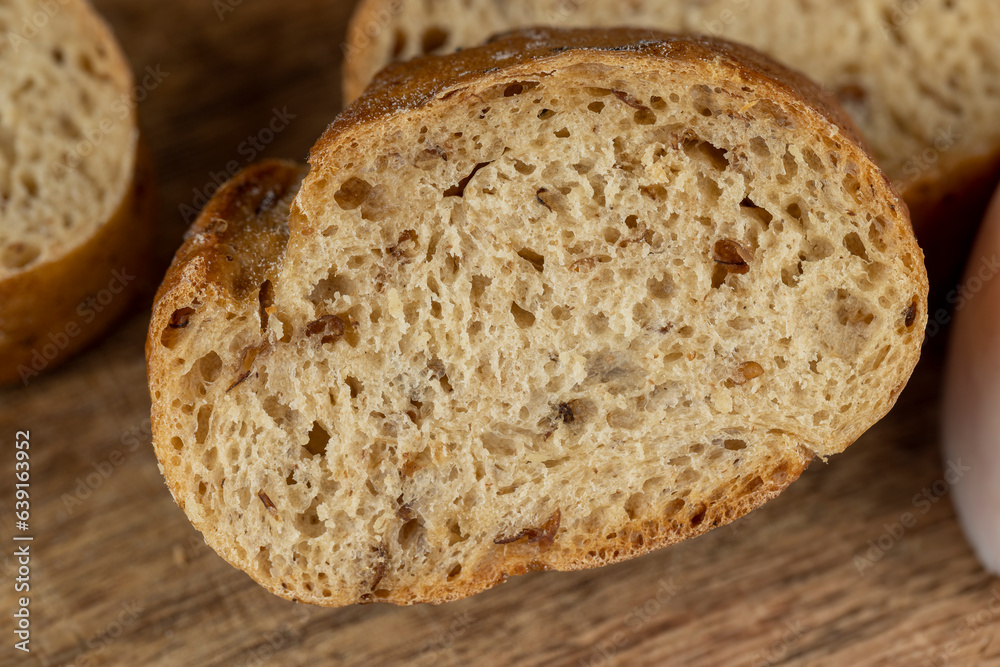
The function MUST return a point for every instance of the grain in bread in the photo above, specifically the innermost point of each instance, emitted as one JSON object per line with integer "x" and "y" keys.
{"x": 546, "y": 304}
{"x": 74, "y": 202}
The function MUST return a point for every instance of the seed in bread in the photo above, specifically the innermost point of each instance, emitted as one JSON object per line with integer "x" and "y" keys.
{"x": 546, "y": 304}
{"x": 74, "y": 204}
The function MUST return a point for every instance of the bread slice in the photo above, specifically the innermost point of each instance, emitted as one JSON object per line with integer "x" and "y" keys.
{"x": 921, "y": 79}
{"x": 546, "y": 304}
{"x": 74, "y": 190}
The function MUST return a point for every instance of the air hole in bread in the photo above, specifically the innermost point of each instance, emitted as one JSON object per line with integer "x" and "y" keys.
{"x": 411, "y": 534}
{"x": 330, "y": 289}
{"x": 856, "y": 246}
{"x": 353, "y": 193}
{"x": 853, "y": 186}
{"x": 699, "y": 516}
{"x": 265, "y": 298}
{"x": 29, "y": 183}
{"x": 645, "y": 117}
{"x": 479, "y": 286}
{"x": 761, "y": 215}
{"x": 523, "y": 318}
{"x": 19, "y": 255}
{"x": 308, "y": 523}
{"x": 536, "y": 260}
{"x": 851, "y": 310}
{"x": 715, "y": 158}
{"x": 877, "y": 232}
{"x": 209, "y": 367}
{"x": 759, "y": 146}
{"x": 524, "y": 169}
{"x": 179, "y": 320}
{"x": 790, "y": 275}
{"x": 318, "y": 440}
{"x": 596, "y": 107}
{"x": 795, "y": 211}
{"x": 204, "y": 420}
{"x": 355, "y": 385}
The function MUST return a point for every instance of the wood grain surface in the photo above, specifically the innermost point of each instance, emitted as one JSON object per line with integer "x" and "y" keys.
{"x": 861, "y": 562}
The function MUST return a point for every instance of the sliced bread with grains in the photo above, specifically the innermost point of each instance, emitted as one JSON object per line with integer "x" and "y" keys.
{"x": 546, "y": 304}
{"x": 74, "y": 185}
{"x": 920, "y": 79}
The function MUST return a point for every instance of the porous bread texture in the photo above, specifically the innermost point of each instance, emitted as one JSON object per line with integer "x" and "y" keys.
{"x": 598, "y": 293}
{"x": 74, "y": 185}
{"x": 68, "y": 138}
{"x": 921, "y": 79}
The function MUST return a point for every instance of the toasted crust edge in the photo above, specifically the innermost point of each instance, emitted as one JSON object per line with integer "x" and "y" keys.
{"x": 414, "y": 84}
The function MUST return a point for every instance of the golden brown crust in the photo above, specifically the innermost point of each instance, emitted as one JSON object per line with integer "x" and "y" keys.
{"x": 239, "y": 223}
{"x": 236, "y": 243}
{"x": 56, "y": 309}
{"x": 412, "y": 84}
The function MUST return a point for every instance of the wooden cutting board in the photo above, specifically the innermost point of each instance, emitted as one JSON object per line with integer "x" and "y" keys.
{"x": 860, "y": 562}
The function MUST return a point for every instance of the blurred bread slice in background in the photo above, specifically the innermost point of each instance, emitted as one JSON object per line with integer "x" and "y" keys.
{"x": 74, "y": 184}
